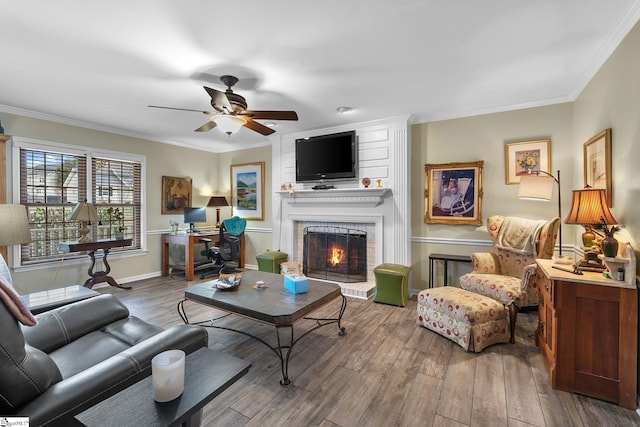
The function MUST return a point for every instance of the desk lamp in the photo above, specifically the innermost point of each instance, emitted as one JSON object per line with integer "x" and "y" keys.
{"x": 534, "y": 186}
{"x": 217, "y": 202}
{"x": 85, "y": 213}
{"x": 14, "y": 225}
{"x": 589, "y": 208}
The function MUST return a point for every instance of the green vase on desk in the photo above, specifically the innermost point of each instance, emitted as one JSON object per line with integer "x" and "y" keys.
{"x": 609, "y": 247}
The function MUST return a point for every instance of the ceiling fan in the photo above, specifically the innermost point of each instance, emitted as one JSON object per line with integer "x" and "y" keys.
{"x": 231, "y": 111}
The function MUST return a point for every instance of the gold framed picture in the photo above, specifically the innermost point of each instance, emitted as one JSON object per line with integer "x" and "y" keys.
{"x": 453, "y": 193}
{"x": 176, "y": 195}
{"x": 597, "y": 163}
{"x": 522, "y": 158}
{"x": 247, "y": 190}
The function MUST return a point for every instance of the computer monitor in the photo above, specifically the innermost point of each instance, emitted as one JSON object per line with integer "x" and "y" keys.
{"x": 193, "y": 215}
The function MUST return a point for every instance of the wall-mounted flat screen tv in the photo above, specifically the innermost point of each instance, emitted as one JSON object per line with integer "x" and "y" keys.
{"x": 326, "y": 157}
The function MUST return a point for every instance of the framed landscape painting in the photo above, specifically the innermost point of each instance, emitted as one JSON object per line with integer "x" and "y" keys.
{"x": 247, "y": 190}
{"x": 453, "y": 193}
{"x": 527, "y": 157}
{"x": 597, "y": 163}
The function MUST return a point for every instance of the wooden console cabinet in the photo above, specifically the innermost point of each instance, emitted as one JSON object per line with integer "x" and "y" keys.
{"x": 588, "y": 333}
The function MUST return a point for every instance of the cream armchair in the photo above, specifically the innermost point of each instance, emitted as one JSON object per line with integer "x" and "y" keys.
{"x": 499, "y": 274}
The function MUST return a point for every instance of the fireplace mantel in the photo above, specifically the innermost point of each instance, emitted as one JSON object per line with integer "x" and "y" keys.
{"x": 345, "y": 197}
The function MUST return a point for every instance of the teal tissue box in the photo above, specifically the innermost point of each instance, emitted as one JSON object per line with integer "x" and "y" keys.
{"x": 296, "y": 284}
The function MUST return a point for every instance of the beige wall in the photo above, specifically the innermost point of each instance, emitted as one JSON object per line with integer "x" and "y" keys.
{"x": 209, "y": 173}
{"x": 612, "y": 100}
{"x": 484, "y": 138}
{"x": 258, "y": 235}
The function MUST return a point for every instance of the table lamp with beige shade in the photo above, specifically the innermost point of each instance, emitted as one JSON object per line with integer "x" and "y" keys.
{"x": 85, "y": 213}
{"x": 14, "y": 227}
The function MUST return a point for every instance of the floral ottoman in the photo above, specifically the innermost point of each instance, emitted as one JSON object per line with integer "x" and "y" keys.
{"x": 470, "y": 320}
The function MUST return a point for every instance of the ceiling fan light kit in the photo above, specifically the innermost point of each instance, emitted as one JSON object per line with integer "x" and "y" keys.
{"x": 228, "y": 124}
{"x": 231, "y": 111}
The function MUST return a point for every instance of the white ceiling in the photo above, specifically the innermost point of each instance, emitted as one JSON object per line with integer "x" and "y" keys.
{"x": 99, "y": 64}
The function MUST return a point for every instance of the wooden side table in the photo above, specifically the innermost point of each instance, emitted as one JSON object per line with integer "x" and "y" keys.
{"x": 588, "y": 333}
{"x": 91, "y": 248}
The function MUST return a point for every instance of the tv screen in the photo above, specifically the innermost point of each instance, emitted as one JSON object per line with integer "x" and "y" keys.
{"x": 194, "y": 215}
{"x": 326, "y": 157}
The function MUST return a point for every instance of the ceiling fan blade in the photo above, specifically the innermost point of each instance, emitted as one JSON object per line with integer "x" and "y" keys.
{"x": 181, "y": 109}
{"x": 207, "y": 126}
{"x": 219, "y": 98}
{"x": 270, "y": 115}
{"x": 260, "y": 128}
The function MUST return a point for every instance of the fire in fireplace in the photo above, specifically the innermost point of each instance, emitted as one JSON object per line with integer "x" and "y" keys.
{"x": 335, "y": 253}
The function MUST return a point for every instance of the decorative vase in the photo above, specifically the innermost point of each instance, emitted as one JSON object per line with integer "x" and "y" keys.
{"x": 609, "y": 247}
{"x": 366, "y": 182}
{"x": 119, "y": 235}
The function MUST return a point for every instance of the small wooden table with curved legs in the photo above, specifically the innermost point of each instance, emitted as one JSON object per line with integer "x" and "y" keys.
{"x": 91, "y": 248}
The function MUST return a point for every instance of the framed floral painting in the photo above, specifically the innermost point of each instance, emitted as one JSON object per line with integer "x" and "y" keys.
{"x": 453, "y": 193}
{"x": 522, "y": 158}
{"x": 597, "y": 163}
{"x": 247, "y": 190}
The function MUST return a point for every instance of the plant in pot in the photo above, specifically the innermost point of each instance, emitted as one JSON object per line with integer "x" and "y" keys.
{"x": 609, "y": 244}
{"x": 116, "y": 217}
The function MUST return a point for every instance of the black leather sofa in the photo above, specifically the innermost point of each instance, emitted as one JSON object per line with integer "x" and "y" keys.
{"x": 78, "y": 355}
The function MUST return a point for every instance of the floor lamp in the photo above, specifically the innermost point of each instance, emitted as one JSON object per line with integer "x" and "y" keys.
{"x": 217, "y": 202}
{"x": 534, "y": 186}
{"x": 14, "y": 226}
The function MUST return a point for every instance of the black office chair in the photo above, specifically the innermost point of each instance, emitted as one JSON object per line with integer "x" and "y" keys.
{"x": 228, "y": 249}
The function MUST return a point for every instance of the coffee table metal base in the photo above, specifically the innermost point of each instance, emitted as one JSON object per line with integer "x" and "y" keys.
{"x": 283, "y": 348}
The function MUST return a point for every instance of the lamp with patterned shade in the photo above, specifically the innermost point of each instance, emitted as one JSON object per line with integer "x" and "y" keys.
{"x": 589, "y": 208}
{"x": 85, "y": 213}
{"x": 217, "y": 202}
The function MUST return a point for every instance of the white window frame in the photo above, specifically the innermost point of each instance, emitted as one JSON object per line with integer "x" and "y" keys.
{"x": 88, "y": 152}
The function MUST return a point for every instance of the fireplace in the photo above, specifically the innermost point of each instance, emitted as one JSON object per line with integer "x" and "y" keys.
{"x": 335, "y": 253}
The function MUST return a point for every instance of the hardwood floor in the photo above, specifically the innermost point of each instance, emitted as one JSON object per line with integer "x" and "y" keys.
{"x": 387, "y": 371}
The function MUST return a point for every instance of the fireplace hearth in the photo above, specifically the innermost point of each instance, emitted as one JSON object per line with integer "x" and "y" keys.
{"x": 335, "y": 253}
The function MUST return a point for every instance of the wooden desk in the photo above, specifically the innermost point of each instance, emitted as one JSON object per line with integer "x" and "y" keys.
{"x": 188, "y": 240}
{"x": 588, "y": 333}
{"x": 92, "y": 247}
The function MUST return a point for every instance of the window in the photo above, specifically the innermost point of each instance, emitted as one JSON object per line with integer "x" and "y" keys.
{"x": 53, "y": 178}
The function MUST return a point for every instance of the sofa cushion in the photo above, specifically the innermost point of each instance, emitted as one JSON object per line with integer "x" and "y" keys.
{"x": 60, "y": 326}
{"x": 100, "y": 345}
{"x": 26, "y": 371}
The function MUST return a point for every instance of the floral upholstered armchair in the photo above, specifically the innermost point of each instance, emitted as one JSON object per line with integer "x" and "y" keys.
{"x": 503, "y": 274}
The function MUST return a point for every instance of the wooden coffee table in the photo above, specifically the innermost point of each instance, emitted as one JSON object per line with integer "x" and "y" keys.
{"x": 273, "y": 305}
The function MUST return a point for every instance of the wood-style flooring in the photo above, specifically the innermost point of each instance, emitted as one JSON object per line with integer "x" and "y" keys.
{"x": 387, "y": 371}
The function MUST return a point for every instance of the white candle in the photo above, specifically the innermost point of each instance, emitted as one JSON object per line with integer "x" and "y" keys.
{"x": 167, "y": 370}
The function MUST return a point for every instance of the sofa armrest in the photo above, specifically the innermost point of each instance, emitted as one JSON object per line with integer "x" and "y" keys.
{"x": 485, "y": 263}
{"x": 61, "y": 402}
{"x": 64, "y": 324}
